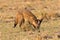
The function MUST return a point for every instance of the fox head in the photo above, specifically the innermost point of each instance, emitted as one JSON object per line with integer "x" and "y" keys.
{"x": 37, "y": 23}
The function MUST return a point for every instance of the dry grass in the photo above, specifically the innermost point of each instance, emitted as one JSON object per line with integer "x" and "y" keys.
{"x": 49, "y": 30}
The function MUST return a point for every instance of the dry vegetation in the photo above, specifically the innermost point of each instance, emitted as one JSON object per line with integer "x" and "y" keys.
{"x": 49, "y": 29}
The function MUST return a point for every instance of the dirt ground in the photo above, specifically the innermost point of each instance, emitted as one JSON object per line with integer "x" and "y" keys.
{"x": 49, "y": 29}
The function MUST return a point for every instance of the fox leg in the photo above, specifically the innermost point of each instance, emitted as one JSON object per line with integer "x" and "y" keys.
{"x": 15, "y": 23}
{"x": 33, "y": 26}
{"x": 21, "y": 22}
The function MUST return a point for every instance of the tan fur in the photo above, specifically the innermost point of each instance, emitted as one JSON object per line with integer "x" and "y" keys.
{"x": 25, "y": 15}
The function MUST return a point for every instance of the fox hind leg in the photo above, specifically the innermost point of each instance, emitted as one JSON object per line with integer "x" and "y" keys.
{"x": 21, "y": 22}
{"x": 15, "y": 23}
